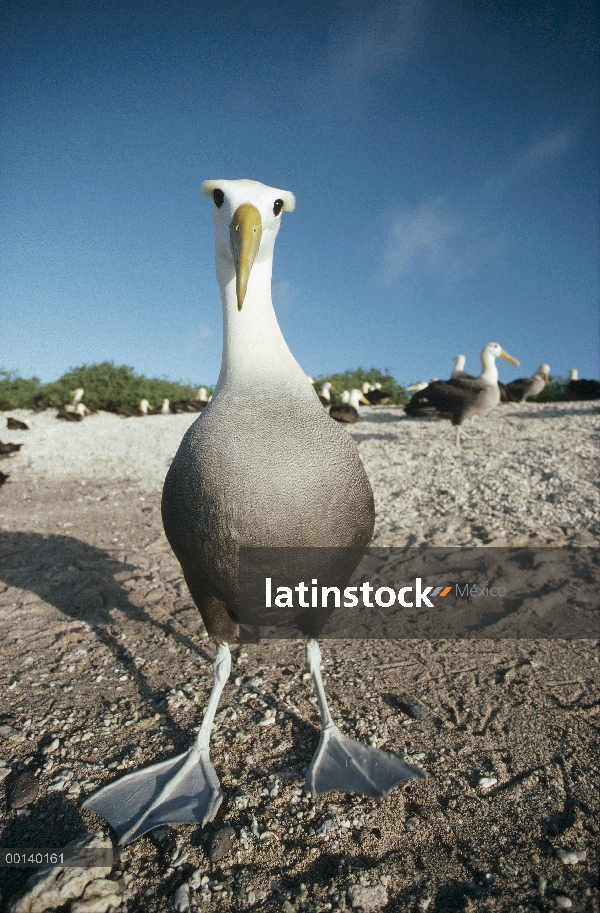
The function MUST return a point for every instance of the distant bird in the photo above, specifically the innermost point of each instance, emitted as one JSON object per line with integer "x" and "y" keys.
{"x": 523, "y": 388}
{"x": 164, "y": 409}
{"x": 459, "y": 368}
{"x": 197, "y": 404}
{"x": 325, "y": 394}
{"x": 15, "y": 425}
{"x": 461, "y": 398}
{"x": 347, "y": 411}
{"x": 132, "y": 412}
{"x": 77, "y": 397}
{"x": 581, "y": 389}
{"x": 7, "y": 449}
{"x": 76, "y": 414}
{"x": 244, "y": 477}
{"x": 375, "y": 396}
{"x": 3, "y": 477}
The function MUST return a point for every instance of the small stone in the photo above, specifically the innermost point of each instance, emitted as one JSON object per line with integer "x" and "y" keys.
{"x": 51, "y": 748}
{"x": 412, "y": 707}
{"x": 288, "y": 907}
{"x": 182, "y": 898}
{"x": 22, "y": 791}
{"x": 4, "y": 772}
{"x": 563, "y": 903}
{"x": 367, "y": 899}
{"x": 424, "y": 903}
{"x": 8, "y": 734}
{"x": 567, "y": 857}
{"x": 251, "y": 897}
{"x": 487, "y": 782}
{"x": 221, "y": 843}
{"x": 542, "y": 884}
{"x": 195, "y": 879}
{"x": 411, "y": 824}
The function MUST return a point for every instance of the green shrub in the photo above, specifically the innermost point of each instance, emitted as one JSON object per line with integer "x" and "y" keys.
{"x": 17, "y": 392}
{"x": 349, "y": 380}
{"x": 106, "y": 387}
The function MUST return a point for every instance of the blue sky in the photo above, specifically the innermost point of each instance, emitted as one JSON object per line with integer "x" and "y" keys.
{"x": 444, "y": 158}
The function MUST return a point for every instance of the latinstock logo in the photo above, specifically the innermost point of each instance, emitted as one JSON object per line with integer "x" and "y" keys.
{"x": 331, "y": 596}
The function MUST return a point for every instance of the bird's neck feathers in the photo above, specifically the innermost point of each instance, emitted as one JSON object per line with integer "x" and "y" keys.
{"x": 254, "y": 350}
{"x": 490, "y": 372}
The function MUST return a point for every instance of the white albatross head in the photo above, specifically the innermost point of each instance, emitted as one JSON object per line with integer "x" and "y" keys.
{"x": 459, "y": 364}
{"x": 246, "y": 216}
{"x": 544, "y": 371}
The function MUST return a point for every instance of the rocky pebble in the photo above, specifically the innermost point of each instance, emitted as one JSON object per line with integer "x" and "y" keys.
{"x": 221, "y": 843}
{"x": 368, "y": 898}
{"x": 22, "y": 790}
{"x": 88, "y": 887}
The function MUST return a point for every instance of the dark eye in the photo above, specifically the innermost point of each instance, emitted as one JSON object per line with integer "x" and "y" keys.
{"x": 277, "y": 206}
{"x": 218, "y": 197}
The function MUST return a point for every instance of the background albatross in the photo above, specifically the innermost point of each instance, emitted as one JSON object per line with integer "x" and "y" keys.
{"x": 244, "y": 475}
{"x": 462, "y": 397}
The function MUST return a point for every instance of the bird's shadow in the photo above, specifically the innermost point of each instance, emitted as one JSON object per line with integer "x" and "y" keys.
{"x": 382, "y": 415}
{"x": 80, "y": 580}
{"x": 548, "y": 413}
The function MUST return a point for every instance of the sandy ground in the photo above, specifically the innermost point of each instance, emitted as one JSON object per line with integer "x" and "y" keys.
{"x": 106, "y": 667}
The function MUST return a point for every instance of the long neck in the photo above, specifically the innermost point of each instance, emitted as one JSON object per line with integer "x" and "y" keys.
{"x": 254, "y": 350}
{"x": 490, "y": 371}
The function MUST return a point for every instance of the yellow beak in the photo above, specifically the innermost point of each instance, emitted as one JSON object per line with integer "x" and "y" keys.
{"x": 508, "y": 357}
{"x": 245, "y": 233}
{"x": 365, "y": 401}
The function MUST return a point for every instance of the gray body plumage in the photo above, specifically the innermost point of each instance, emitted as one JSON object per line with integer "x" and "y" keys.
{"x": 266, "y": 470}
{"x": 457, "y": 399}
{"x": 523, "y": 388}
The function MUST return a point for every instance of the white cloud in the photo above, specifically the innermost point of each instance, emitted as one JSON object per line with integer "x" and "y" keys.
{"x": 372, "y": 40}
{"x": 534, "y": 158}
{"x": 439, "y": 241}
{"x": 366, "y": 42}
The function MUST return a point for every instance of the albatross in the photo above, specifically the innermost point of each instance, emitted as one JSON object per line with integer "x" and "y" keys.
{"x": 580, "y": 389}
{"x": 461, "y": 398}
{"x": 458, "y": 369}
{"x": 523, "y": 388}
{"x": 347, "y": 411}
{"x": 244, "y": 476}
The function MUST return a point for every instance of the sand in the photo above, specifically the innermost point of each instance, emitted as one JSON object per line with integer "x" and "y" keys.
{"x": 106, "y": 667}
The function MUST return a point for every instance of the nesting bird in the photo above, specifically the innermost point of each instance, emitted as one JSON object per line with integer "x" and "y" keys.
{"x": 132, "y": 412}
{"x": 15, "y": 424}
{"x": 325, "y": 394}
{"x": 461, "y": 398}
{"x": 197, "y": 404}
{"x": 581, "y": 389}
{"x": 347, "y": 411}
{"x": 77, "y": 414}
{"x": 523, "y": 388}
{"x": 243, "y": 477}
{"x": 76, "y": 410}
{"x": 458, "y": 369}
{"x": 8, "y": 449}
{"x": 374, "y": 395}
{"x": 164, "y": 409}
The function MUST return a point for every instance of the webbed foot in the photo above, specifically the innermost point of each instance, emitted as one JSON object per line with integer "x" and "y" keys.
{"x": 182, "y": 790}
{"x": 343, "y": 764}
